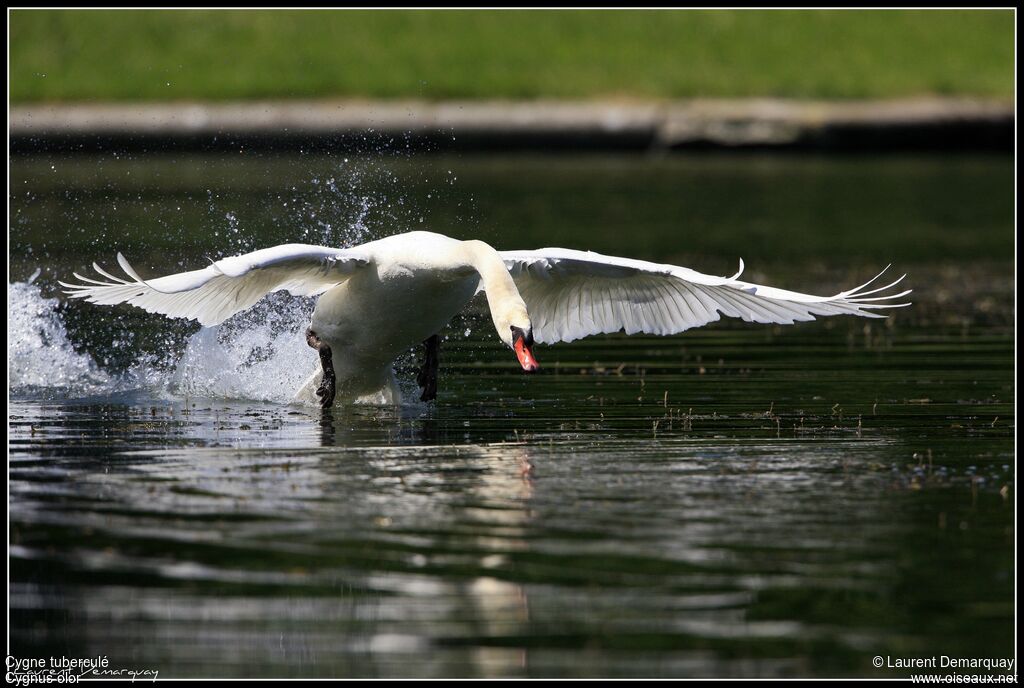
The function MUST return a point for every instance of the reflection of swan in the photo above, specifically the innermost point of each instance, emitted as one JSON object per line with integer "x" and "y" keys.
{"x": 384, "y": 296}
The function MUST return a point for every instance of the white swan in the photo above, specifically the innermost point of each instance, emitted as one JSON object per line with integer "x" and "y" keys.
{"x": 382, "y": 297}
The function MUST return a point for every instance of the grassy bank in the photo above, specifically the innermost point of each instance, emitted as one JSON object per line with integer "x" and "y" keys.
{"x": 224, "y": 55}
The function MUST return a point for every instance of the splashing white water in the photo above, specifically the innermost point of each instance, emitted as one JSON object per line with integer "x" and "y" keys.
{"x": 39, "y": 353}
{"x": 258, "y": 355}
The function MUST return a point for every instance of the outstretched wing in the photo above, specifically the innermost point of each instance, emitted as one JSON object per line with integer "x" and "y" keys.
{"x": 571, "y": 294}
{"x": 230, "y": 285}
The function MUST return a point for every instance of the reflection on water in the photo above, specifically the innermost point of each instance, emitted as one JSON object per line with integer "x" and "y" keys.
{"x": 596, "y": 530}
{"x": 739, "y": 500}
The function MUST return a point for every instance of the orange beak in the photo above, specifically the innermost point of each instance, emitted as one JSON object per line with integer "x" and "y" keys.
{"x": 526, "y": 358}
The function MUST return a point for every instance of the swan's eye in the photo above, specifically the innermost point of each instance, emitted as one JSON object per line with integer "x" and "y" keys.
{"x": 526, "y": 335}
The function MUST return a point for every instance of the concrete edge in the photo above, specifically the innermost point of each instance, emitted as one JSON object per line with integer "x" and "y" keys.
{"x": 927, "y": 123}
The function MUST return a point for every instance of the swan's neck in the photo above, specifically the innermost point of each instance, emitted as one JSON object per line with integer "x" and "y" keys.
{"x": 507, "y": 307}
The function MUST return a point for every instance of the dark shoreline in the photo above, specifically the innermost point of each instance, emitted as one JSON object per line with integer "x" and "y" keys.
{"x": 555, "y": 126}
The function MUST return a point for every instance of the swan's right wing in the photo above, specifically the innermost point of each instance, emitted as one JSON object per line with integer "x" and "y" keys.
{"x": 215, "y": 293}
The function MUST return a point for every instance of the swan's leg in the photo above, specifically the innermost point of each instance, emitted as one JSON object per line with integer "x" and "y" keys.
{"x": 326, "y": 389}
{"x": 427, "y": 377}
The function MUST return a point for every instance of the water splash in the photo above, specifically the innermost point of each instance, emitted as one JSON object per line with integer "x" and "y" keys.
{"x": 257, "y": 355}
{"x": 39, "y": 354}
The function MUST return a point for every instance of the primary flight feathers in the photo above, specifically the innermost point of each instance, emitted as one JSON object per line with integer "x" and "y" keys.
{"x": 572, "y": 294}
{"x": 218, "y": 291}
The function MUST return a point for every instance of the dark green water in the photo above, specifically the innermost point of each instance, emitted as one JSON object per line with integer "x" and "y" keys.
{"x": 739, "y": 500}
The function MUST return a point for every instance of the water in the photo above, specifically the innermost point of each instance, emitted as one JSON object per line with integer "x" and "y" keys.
{"x": 739, "y": 500}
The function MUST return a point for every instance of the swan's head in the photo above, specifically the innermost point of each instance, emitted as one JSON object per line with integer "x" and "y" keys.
{"x": 516, "y": 330}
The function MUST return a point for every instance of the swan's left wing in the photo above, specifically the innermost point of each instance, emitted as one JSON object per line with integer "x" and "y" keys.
{"x": 230, "y": 285}
{"x": 571, "y": 294}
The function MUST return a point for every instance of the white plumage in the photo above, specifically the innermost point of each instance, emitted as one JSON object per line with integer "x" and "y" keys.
{"x": 573, "y": 294}
{"x": 382, "y": 297}
{"x": 215, "y": 293}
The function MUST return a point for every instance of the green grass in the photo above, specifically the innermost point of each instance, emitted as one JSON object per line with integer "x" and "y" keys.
{"x": 221, "y": 55}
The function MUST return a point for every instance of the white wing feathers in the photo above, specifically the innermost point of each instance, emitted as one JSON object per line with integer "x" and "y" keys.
{"x": 571, "y": 294}
{"x": 227, "y": 286}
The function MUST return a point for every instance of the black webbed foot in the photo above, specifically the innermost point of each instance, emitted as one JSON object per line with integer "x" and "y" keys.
{"x": 326, "y": 392}
{"x": 426, "y": 378}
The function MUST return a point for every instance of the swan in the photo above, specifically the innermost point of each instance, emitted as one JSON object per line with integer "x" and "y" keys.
{"x": 382, "y": 297}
